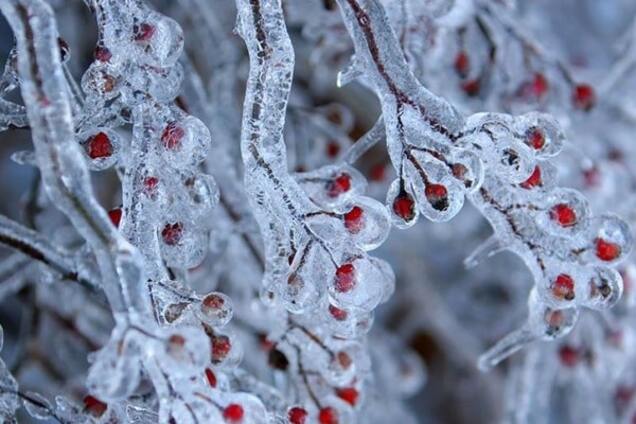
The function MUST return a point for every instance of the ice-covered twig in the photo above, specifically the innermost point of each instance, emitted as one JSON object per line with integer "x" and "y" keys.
{"x": 63, "y": 167}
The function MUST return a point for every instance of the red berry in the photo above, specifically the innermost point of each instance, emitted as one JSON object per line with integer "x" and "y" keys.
{"x": 354, "y": 220}
{"x": 591, "y": 176}
{"x": 471, "y": 87}
{"x": 345, "y": 278}
{"x": 115, "y": 216}
{"x": 150, "y": 183}
{"x": 233, "y": 413}
{"x": 221, "y": 346}
{"x": 172, "y": 135}
{"x": 436, "y": 194}
{"x": 584, "y": 97}
{"x": 344, "y": 359}
{"x": 533, "y": 180}
{"x": 404, "y": 206}
{"x": 569, "y": 356}
{"x": 337, "y": 313}
{"x": 94, "y": 406}
{"x": 328, "y": 415}
{"x": 333, "y": 148}
{"x": 563, "y": 287}
{"x": 99, "y": 146}
{"x": 462, "y": 64}
{"x": 539, "y": 85}
{"x": 348, "y": 394}
{"x": 172, "y": 233}
{"x": 213, "y": 301}
{"x": 102, "y": 54}
{"x": 211, "y": 377}
{"x": 607, "y": 251}
{"x": 144, "y": 32}
{"x": 297, "y": 415}
{"x": 563, "y": 214}
{"x": 340, "y": 184}
{"x": 535, "y": 138}
{"x": 377, "y": 172}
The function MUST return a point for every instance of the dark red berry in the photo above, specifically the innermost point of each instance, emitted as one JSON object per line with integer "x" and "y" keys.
{"x": 348, "y": 394}
{"x": 339, "y": 185}
{"x": 404, "y": 206}
{"x": 99, "y": 146}
{"x": 584, "y": 97}
{"x": 172, "y": 233}
{"x": 533, "y": 180}
{"x": 539, "y": 85}
{"x": 591, "y": 176}
{"x": 210, "y": 377}
{"x": 115, "y": 216}
{"x": 337, "y": 313}
{"x": 471, "y": 87}
{"x": 535, "y": 138}
{"x": 233, "y": 413}
{"x": 563, "y": 214}
{"x": 569, "y": 356}
{"x": 606, "y": 250}
{"x": 172, "y": 136}
{"x": 102, "y": 54}
{"x": 221, "y": 346}
{"x": 377, "y": 172}
{"x": 462, "y": 64}
{"x": 94, "y": 406}
{"x": 144, "y": 32}
{"x": 354, "y": 220}
{"x": 437, "y": 196}
{"x": 150, "y": 185}
{"x": 563, "y": 287}
{"x": 333, "y": 148}
{"x": 213, "y": 301}
{"x": 297, "y": 415}
{"x": 344, "y": 359}
{"x": 328, "y": 415}
{"x": 345, "y": 278}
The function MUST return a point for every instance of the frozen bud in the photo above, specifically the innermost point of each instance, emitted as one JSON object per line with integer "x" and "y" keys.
{"x": 215, "y": 309}
{"x": 203, "y": 194}
{"x": 368, "y": 223}
{"x": 174, "y": 311}
{"x": 605, "y": 288}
